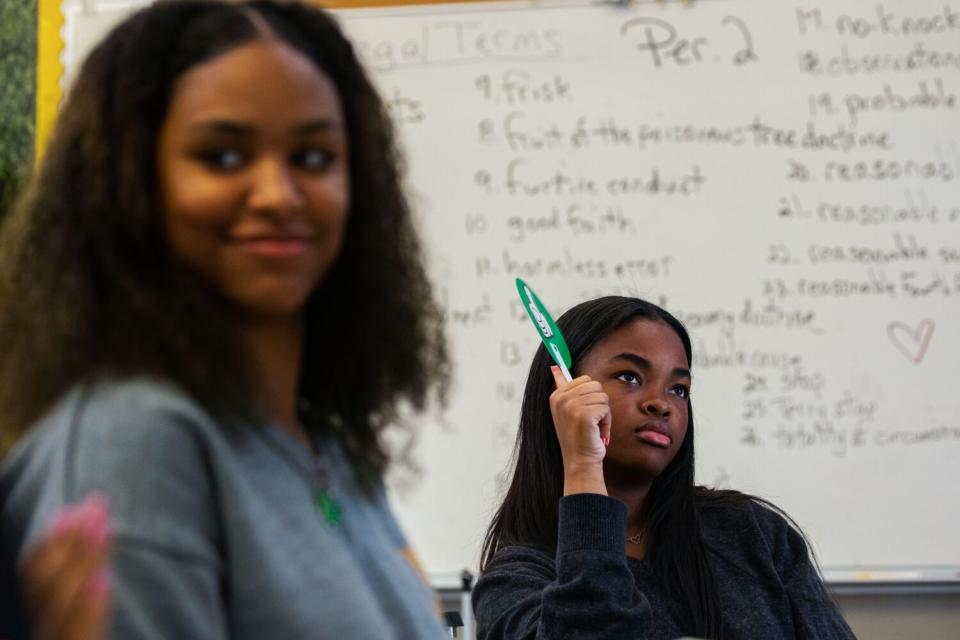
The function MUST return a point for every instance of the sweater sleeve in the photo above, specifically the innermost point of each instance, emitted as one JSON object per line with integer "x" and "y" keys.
{"x": 586, "y": 591}
{"x": 143, "y": 446}
{"x": 815, "y": 614}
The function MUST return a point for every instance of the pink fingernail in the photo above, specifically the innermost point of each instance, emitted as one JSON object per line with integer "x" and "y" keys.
{"x": 95, "y": 509}
{"x": 99, "y": 531}
{"x": 97, "y": 505}
{"x": 98, "y": 587}
{"x": 64, "y": 520}
{"x": 606, "y": 441}
{"x": 94, "y": 513}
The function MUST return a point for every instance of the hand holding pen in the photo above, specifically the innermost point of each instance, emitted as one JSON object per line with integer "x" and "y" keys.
{"x": 581, "y": 416}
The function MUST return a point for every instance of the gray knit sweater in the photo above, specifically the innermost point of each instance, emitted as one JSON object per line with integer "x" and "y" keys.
{"x": 768, "y": 588}
{"x": 218, "y": 532}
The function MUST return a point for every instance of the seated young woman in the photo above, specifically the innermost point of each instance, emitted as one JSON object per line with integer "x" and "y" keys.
{"x": 603, "y": 533}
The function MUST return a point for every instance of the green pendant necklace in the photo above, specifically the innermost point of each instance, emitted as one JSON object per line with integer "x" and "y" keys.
{"x": 328, "y": 506}
{"x": 324, "y": 493}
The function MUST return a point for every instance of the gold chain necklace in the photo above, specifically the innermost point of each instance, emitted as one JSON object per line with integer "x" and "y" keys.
{"x": 636, "y": 538}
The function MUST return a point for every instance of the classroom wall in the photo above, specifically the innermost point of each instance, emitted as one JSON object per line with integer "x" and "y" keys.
{"x": 900, "y": 617}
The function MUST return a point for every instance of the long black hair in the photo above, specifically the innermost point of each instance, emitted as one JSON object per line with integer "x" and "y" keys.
{"x": 88, "y": 285}
{"x": 528, "y": 515}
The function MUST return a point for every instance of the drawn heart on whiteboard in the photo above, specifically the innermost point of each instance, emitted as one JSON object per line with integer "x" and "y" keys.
{"x": 911, "y": 342}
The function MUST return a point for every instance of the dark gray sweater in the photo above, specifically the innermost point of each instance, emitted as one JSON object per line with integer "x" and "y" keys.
{"x": 768, "y": 587}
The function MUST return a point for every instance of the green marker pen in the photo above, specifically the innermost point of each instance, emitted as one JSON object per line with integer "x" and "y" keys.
{"x": 546, "y": 327}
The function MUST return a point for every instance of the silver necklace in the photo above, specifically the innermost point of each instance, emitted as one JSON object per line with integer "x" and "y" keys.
{"x": 636, "y": 538}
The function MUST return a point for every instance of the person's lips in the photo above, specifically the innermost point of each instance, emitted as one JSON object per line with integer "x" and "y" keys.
{"x": 274, "y": 246}
{"x": 654, "y": 433}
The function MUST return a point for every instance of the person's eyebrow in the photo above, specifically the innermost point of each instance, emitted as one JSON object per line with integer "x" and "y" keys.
{"x": 228, "y": 127}
{"x": 234, "y": 128}
{"x": 321, "y": 125}
{"x": 642, "y": 363}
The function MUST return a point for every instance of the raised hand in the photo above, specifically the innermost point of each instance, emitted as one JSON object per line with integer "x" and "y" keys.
{"x": 581, "y": 417}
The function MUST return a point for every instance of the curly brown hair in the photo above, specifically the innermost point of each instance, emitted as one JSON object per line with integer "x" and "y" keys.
{"x": 88, "y": 285}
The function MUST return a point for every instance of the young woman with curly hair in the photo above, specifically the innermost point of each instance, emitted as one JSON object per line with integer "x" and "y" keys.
{"x": 212, "y": 303}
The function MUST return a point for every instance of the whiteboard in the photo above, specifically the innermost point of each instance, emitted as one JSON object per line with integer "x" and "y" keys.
{"x": 783, "y": 176}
